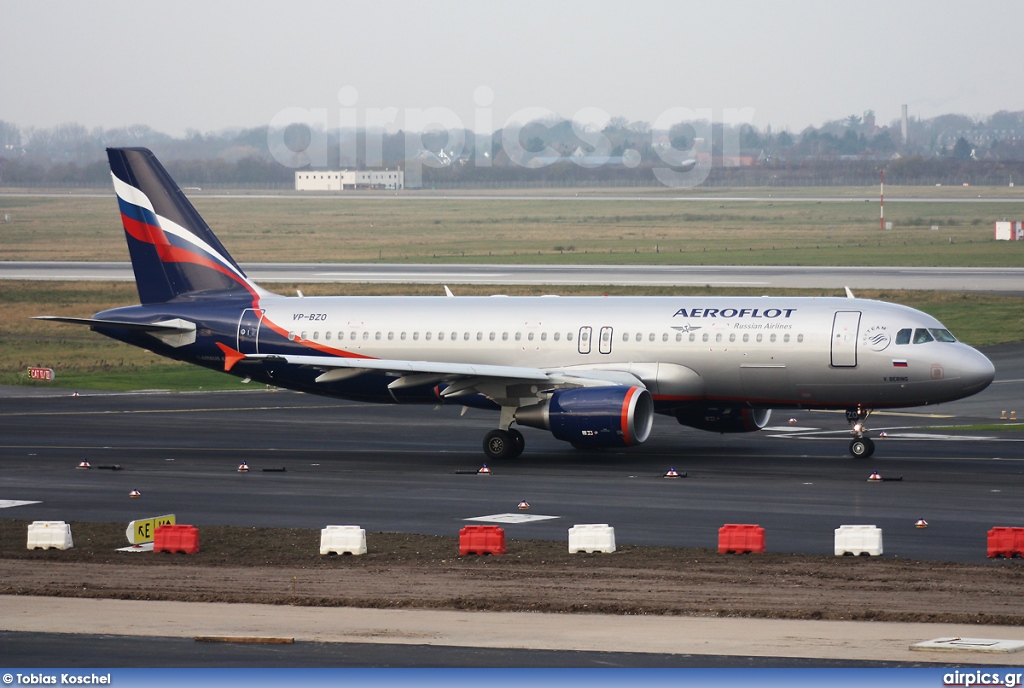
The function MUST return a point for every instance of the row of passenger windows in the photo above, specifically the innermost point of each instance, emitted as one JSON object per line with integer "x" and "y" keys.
{"x": 543, "y": 336}
{"x": 922, "y": 335}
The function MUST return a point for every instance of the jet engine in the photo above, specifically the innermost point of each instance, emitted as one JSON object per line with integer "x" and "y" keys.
{"x": 594, "y": 416}
{"x": 724, "y": 419}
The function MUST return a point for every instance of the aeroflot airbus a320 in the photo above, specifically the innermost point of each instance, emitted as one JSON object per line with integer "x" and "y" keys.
{"x": 593, "y": 371}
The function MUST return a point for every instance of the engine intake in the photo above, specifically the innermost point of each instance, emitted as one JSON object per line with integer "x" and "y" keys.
{"x": 724, "y": 419}
{"x": 594, "y": 416}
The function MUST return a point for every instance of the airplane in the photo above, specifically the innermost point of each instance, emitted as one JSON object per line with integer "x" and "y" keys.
{"x": 593, "y": 371}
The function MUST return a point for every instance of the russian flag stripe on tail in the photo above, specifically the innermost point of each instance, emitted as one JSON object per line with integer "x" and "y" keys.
{"x": 174, "y": 253}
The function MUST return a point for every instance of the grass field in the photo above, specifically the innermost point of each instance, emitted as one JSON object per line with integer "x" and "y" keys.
{"x": 571, "y": 230}
{"x": 84, "y": 359}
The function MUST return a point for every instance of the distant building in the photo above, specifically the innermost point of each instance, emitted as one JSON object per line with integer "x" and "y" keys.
{"x": 349, "y": 180}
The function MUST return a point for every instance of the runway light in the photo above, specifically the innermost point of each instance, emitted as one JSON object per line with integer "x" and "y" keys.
{"x": 85, "y": 464}
{"x": 883, "y": 434}
{"x": 134, "y": 494}
{"x": 672, "y": 473}
{"x": 484, "y": 470}
{"x": 524, "y": 505}
{"x": 874, "y": 477}
{"x": 921, "y": 523}
{"x": 792, "y": 421}
{"x": 243, "y": 467}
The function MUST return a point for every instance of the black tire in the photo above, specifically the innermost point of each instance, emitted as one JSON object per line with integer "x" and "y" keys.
{"x": 862, "y": 448}
{"x": 518, "y": 443}
{"x": 499, "y": 444}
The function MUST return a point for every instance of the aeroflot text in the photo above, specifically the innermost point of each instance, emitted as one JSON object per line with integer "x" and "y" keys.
{"x": 62, "y": 679}
{"x": 735, "y": 313}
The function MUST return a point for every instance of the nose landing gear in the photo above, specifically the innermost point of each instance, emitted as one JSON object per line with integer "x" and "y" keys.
{"x": 861, "y": 447}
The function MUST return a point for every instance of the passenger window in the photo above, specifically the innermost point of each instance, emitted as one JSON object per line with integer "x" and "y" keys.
{"x": 785, "y": 338}
{"x": 327, "y": 335}
{"x": 557, "y": 335}
{"x": 302, "y": 336}
{"x": 440, "y": 336}
{"x": 543, "y": 336}
{"x": 366, "y": 335}
{"x": 799, "y": 338}
{"x": 664, "y": 337}
{"x": 491, "y": 336}
{"x": 291, "y": 336}
{"x": 479, "y": 336}
{"x": 530, "y": 336}
{"x": 693, "y": 337}
{"x": 568, "y": 336}
{"x": 402, "y": 336}
{"x": 504, "y": 336}
{"x": 759, "y": 337}
{"x": 519, "y": 335}
{"x": 679, "y": 336}
{"x": 921, "y": 336}
{"x": 903, "y": 336}
{"x": 427, "y": 336}
{"x": 650, "y": 337}
{"x": 746, "y": 337}
{"x": 353, "y": 335}
{"x": 772, "y": 338}
{"x": 377, "y": 336}
{"x": 732, "y": 337}
{"x": 391, "y": 335}
{"x": 718, "y": 337}
{"x": 625, "y": 336}
{"x": 705, "y": 337}
{"x": 316, "y": 335}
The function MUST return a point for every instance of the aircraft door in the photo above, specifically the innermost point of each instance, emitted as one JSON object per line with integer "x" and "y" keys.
{"x": 844, "y": 339}
{"x": 584, "y": 341}
{"x": 604, "y": 344}
{"x": 249, "y": 331}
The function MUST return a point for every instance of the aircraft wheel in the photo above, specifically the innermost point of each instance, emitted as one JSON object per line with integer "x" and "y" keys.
{"x": 499, "y": 444}
{"x": 518, "y": 443}
{"x": 862, "y": 448}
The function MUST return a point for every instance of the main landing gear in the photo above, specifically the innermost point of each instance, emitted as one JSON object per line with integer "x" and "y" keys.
{"x": 504, "y": 444}
{"x": 861, "y": 447}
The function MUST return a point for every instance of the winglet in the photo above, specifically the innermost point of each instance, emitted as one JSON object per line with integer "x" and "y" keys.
{"x": 849, "y": 294}
{"x": 448, "y": 292}
{"x": 231, "y": 357}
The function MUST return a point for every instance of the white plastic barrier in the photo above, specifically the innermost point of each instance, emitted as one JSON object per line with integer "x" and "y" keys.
{"x": 858, "y": 540}
{"x": 47, "y": 534}
{"x": 591, "y": 537}
{"x": 343, "y": 540}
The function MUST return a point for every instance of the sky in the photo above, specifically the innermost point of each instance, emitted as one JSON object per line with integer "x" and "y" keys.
{"x": 211, "y": 66}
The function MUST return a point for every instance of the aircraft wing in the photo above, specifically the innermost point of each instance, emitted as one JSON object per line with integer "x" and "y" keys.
{"x": 494, "y": 381}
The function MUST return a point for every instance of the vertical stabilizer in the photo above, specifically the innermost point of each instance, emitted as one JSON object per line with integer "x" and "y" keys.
{"x": 174, "y": 253}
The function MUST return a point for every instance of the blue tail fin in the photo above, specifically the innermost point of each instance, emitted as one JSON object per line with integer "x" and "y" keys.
{"x": 174, "y": 253}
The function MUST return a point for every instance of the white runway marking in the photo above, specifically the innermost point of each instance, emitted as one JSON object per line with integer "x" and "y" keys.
{"x": 8, "y": 503}
{"x": 512, "y": 518}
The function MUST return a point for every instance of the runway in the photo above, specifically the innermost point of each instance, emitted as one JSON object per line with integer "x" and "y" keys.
{"x": 998, "y": 280}
{"x": 411, "y": 469}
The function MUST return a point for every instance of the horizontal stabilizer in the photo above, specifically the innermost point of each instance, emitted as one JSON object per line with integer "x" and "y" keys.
{"x": 177, "y": 327}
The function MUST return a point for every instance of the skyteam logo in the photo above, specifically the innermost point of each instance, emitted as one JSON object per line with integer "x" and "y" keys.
{"x": 876, "y": 338}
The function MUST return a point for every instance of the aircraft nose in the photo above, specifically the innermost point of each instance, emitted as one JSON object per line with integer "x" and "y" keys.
{"x": 976, "y": 371}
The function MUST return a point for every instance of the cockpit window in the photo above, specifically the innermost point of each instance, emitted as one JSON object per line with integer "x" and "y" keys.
{"x": 903, "y": 336}
{"x": 941, "y": 335}
{"x": 922, "y": 335}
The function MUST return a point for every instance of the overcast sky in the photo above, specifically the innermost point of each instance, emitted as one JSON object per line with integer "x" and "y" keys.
{"x": 215, "y": 65}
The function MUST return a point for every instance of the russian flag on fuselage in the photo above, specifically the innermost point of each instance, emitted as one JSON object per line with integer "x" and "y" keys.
{"x": 173, "y": 251}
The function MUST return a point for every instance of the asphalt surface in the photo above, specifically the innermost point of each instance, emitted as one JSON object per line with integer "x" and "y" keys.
{"x": 996, "y": 280}
{"x": 412, "y": 469}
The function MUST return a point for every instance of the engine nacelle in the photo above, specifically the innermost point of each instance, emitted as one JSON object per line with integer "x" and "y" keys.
{"x": 594, "y": 416}
{"x": 724, "y": 419}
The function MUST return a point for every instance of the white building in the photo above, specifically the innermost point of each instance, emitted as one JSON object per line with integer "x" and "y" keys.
{"x": 346, "y": 180}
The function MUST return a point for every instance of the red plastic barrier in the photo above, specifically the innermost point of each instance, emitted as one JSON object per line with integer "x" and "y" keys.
{"x": 176, "y": 538}
{"x": 481, "y": 540}
{"x": 736, "y": 538}
{"x": 1006, "y": 542}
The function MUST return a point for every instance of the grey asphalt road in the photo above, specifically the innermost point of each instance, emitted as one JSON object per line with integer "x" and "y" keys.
{"x": 410, "y": 469}
{"x": 998, "y": 280}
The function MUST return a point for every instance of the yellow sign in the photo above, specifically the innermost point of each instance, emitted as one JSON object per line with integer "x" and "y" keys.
{"x": 144, "y": 530}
